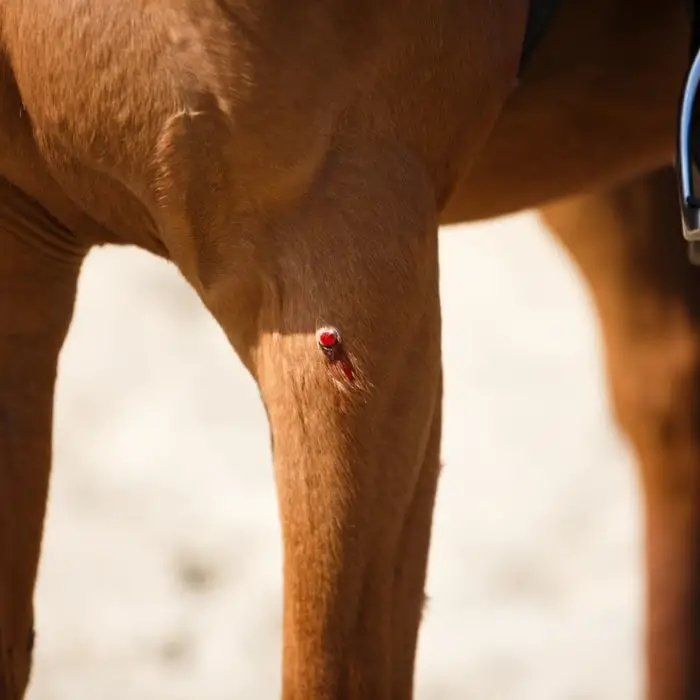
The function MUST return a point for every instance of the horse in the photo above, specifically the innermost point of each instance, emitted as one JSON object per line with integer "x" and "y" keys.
{"x": 295, "y": 161}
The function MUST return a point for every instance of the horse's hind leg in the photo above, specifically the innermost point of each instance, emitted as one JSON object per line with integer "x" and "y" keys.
{"x": 39, "y": 265}
{"x": 629, "y": 246}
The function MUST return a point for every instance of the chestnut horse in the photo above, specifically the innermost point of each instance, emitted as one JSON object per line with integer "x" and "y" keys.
{"x": 294, "y": 160}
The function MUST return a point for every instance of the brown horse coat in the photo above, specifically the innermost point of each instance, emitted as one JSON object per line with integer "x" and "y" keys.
{"x": 294, "y": 160}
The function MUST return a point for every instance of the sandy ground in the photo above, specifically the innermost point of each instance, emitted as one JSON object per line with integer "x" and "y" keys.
{"x": 161, "y": 578}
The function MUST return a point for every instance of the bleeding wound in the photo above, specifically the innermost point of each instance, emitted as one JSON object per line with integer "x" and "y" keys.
{"x": 331, "y": 345}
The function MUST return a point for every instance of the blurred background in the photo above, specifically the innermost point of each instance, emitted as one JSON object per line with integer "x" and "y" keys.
{"x": 161, "y": 571}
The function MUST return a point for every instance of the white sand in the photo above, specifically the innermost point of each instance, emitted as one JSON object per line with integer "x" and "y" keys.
{"x": 161, "y": 578}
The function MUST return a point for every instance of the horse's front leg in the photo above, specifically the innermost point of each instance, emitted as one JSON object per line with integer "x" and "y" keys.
{"x": 337, "y": 315}
{"x": 39, "y": 263}
{"x": 355, "y": 426}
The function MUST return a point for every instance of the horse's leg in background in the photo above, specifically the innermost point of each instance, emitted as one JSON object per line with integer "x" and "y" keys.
{"x": 39, "y": 264}
{"x": 629, "y": 246}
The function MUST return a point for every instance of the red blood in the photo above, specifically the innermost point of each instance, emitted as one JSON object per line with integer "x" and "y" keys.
{"x": 347, "y": 369}
{"x": 328, "y": 339}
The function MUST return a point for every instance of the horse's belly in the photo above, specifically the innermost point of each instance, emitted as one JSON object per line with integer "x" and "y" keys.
{"x": 598, "y": 105}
